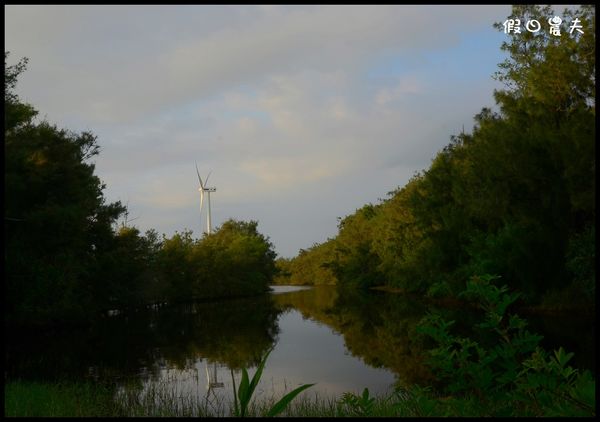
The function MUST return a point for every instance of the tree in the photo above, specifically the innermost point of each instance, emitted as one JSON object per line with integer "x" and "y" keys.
{"x": 16, "y": 113}
{"x": 236, "y": 260}
{"x": 56, "y": 215}
{"x": 355, "y": 263}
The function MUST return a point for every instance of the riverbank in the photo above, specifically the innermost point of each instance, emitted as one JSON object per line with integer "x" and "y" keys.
{"x": 86, "y": 399}
{"x": 87, "y": 323}
{"x": 541, "y": 309}
{"x": 60, "y": 399}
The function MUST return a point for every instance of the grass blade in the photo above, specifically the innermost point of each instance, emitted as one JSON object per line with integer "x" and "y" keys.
{"x": 285, "y": 400}
{"x": 243, "y": 395}
{"x": 258, "y": 373}
{"x": 236, "y": 409}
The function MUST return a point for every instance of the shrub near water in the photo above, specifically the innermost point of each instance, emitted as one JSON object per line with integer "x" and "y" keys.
{"x": 508, "y": 374}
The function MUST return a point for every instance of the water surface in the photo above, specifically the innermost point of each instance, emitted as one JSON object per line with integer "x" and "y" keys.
{"x": 340, "y": 342}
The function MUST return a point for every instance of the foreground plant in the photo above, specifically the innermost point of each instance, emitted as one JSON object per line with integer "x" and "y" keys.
{"x": 358, "y": 405}
{"x": 509, "y": 375}
{"x": 246, "y": 389}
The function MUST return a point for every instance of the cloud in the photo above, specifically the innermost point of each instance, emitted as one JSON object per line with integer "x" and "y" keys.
{"x": 122, "y": 62}
{"x": 405, "y": 88}
{"x": 291, "y": 173}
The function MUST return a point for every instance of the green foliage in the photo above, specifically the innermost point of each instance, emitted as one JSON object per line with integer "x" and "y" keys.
{"x": 358, "y": 405}
{"x": 16, "y": 113}
{"x": 175, "y": 267}
{"x": 246, "y": 389}
{"x": 312, "y": 266}
{"x": 235, "y": 260}
{"x": 400, "y": 243}
{"x": 581, "y": 262}
{"x": 503, "y": 367}
{"x": 252, "y": 254}
{"x": 125, "y": 270}
{"x": 552, "y": 388}
{"x": 57, "y": 222}
{"x": 355, "y": 264}
{"x": 439, "y": 289}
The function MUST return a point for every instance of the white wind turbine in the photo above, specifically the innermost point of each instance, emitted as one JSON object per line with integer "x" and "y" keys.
{"x": 203, "y": 188}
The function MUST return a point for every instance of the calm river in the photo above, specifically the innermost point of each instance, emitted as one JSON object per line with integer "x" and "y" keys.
{"x": 340, "y": 343}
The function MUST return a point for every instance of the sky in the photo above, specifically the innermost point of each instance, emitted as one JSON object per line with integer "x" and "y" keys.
{"x": 301, "y": 113}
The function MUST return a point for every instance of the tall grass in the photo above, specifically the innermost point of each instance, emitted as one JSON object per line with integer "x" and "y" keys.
{"x": 161, "y": 399}
{"x": 317, "y": 405}
{"x": 26, "y": 398}
{"x": 23, "y": 398}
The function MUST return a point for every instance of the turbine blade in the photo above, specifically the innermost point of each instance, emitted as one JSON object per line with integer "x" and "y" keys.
{"x": 206, "y": 180}
{"x": 199, "y": 178}
{"x": 201, "y": 199}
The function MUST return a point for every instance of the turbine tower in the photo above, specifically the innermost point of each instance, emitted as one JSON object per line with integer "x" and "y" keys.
{"x": 211, "y": 384}
{"x": 204, "y": 189}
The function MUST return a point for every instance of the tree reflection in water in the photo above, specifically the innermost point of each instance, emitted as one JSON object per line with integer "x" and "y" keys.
{"x": 141, "y": 344}
{"x": 175, "y": 346}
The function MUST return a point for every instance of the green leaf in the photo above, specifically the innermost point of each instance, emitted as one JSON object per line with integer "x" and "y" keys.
{"x": 561, "y": 357}
{"x": 247, "y": 387}
{"x": 236, "y": 409}
{"x": 243, "y": 395}
{"x": 285, "y": 400}
{"x": 258, "y": 374}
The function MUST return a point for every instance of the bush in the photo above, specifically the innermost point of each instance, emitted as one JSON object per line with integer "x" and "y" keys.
{"x": 504, "y": 372}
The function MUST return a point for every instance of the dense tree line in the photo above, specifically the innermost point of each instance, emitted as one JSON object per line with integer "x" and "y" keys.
{"x": 66, "y": 256}
{"x": 515, "y": 197}
{"x": 308, "y": 267}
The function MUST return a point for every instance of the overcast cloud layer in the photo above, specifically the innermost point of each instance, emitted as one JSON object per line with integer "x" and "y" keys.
{"x": 303, "y": 113}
